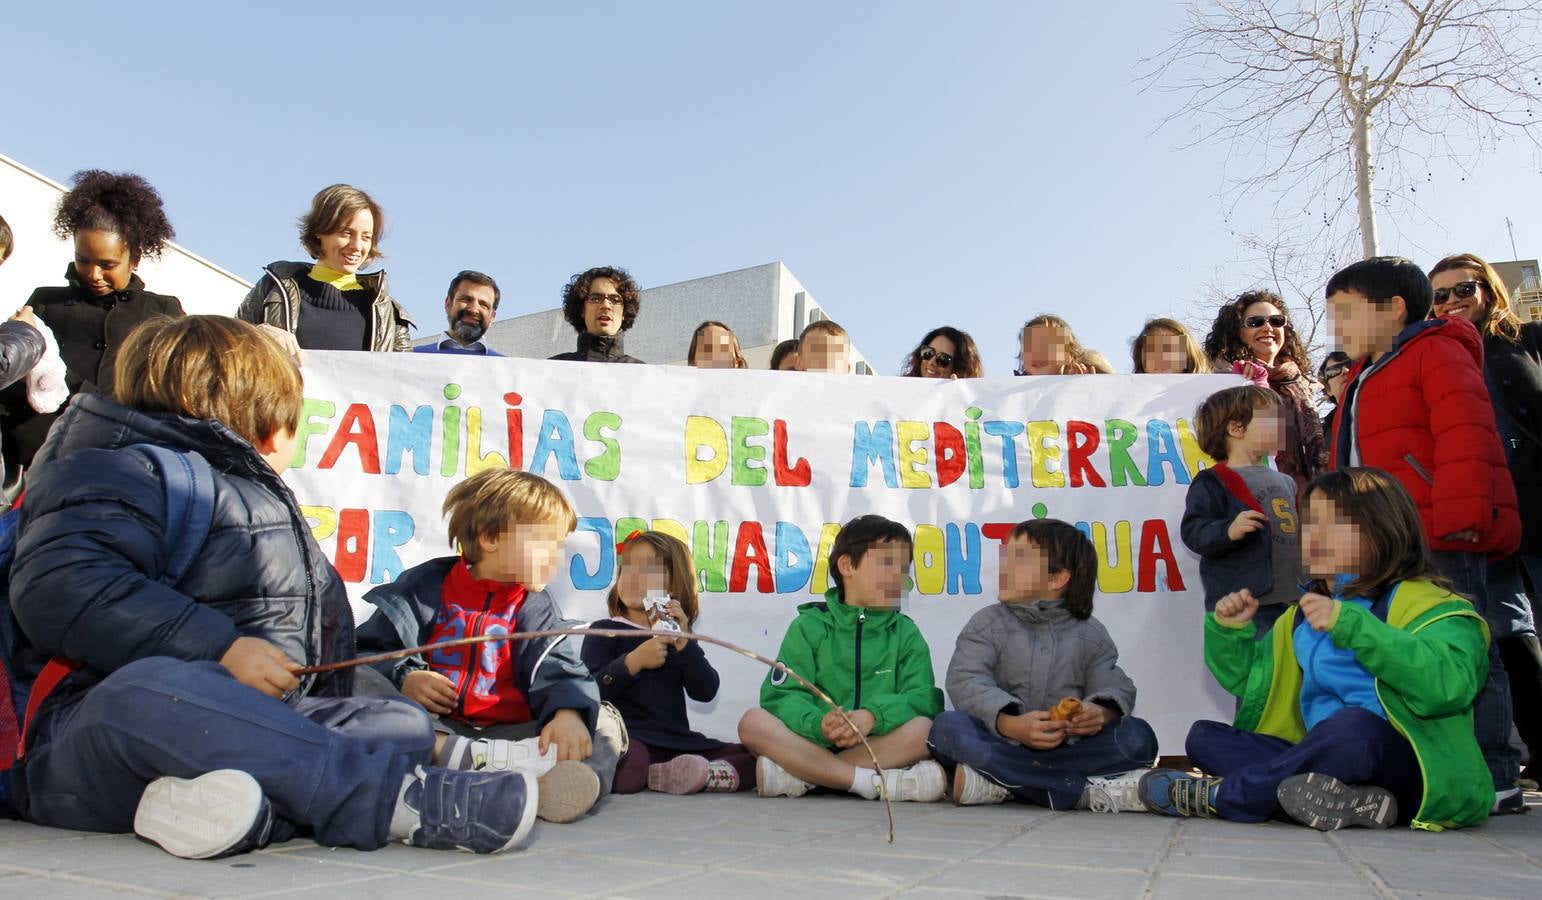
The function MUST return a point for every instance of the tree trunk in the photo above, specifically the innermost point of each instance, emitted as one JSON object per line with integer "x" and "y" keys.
{"x": 1364, "y": 179}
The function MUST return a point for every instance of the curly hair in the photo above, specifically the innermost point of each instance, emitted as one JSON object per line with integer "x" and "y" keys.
{"x": 119, "y": 202}
{"x": 578, "y": 288}
{"x": 1224, "y": 346}
{"x": 966, "y": 356}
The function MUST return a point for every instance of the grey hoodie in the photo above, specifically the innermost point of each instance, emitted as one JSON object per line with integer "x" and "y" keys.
{"x": 1017, "y": 657}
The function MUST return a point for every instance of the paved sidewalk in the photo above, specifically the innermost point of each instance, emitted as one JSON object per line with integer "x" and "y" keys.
{"x": 742, "y": 847}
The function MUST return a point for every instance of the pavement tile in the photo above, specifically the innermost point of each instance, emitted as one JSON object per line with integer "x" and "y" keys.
{"x": 1457, "y": 873}
{"x": 76, "y": 853}
{"x": 21, "y": 886}
{"x": 1084, "y": 857}
{"x": 1224, "y": 849}
{"x": 721, "y": 883}
{"x": 558, "y": 870}
{"x": 1198, "y": 887}
{"x": 234, "y": 876}
{"x": 868, "y": 869}
{"x": 1039, "y": 881}
{"x": 670, "y": 850}
{"x": 392, "y": 858}
{"x": 1331, "y": 872}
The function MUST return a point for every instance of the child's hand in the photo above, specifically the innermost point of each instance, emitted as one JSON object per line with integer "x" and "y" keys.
{"x": 430, "y": 690}
{"x": 1319, "y": 610}
{"x": 258, "y": 664}
{"x": 1247, "y": 522}
{"x": 677, "y": 612}
{"x": 1237, "y": 608}
{"x": 837, "y": 732}
{"x": 1033, "y": 729}
{"x": 567, "y": 730}
{"x": 1090, "y": 720}
{"x": 650, "y": 654}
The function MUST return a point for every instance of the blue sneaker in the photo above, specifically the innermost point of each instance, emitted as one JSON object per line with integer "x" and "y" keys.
{"x": 1174, "y": 793}
{"x": 479, "y": 812}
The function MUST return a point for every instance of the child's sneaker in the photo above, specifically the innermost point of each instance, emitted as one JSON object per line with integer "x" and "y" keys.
{"x": 216, "y": 814}
{"x": 1327, "y": 804}
{"x": 568, "y": 791}
{"x": 1114, "y": 793}
{"x": 452, "y": 809}
{"x": 1174, "y": 793}
{"x": 1509, "y": 803}
{"x": 924, "y": 782}
{"x": 685, "y": 774}
{"x": 771, "y": 780}
{"x": 722, "y": 777}
{"x": 970, "y": 788}
{"x": 494, "y": 755}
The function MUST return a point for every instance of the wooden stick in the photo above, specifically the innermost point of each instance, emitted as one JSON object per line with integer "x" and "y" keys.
{"x": 776, "y": 665}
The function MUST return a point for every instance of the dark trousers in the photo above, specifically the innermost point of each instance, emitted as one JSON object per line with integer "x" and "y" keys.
{"x": 1355, "y": 746}
{"x": 1491, "y": 712}
{"x": 330, "y": 766}
{"x": 609, "y": 739}
{"x": 1053, "y": 778}
{"x": 632, "y": 774}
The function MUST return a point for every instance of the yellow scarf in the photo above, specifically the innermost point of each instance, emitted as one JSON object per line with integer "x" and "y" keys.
{"x": 343, "y": 281}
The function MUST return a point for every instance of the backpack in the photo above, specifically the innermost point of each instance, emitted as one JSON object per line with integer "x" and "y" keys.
{"x": 189, "y": 487}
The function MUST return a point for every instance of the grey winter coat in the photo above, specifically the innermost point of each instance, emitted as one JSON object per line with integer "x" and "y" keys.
{"x": 275, "y": 300}
{"x": 1016, "y": 657}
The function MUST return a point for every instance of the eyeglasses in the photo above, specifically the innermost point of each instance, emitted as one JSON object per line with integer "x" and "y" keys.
{"x": 1274, "y": 321}
{"x": 1463, "y": 291}
{"x": 1335, "y": 371}
{"x": 943, "y": 359}
{"x": 604, "y": 299}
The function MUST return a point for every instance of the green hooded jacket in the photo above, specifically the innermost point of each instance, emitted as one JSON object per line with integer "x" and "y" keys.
{"x": 1429, "y": 659}
{"x": 872, "y": 659}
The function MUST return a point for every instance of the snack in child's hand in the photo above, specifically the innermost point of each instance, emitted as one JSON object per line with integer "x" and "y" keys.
{"x": 657, "y": 605}
{"x": 1066, "y": 710}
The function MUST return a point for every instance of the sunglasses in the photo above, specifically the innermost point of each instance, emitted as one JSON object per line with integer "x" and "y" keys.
{"x": 1275, "y": 321}
{"x": 943, "y": 359}
{"x": 1334, "y": 371}
{"x": 1463, "y": 291}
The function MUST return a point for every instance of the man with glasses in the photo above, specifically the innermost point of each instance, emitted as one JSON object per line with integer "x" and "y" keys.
{"x": 600, "y": 304}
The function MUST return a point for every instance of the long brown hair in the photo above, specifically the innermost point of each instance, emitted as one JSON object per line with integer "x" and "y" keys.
{"x": 733, "y": 344}
{"x": 1392, "y": 545}
{"x": 1501, "y": 319}
{"x": 677, "y": 561}
{"x": 1197, "y": 364}
{"x": 966, "y": 356}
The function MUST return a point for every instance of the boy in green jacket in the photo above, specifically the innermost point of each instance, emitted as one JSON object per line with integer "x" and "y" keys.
{"x": 871, "y": 658}
{"x": 1356, "y": 708}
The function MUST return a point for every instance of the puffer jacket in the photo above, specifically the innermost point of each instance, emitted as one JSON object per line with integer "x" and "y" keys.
{"x": 89, "y": 329}
{"x": 1422, "y": 413}
{"x": 84, "y": 582}
{"x": 548, "y": 674}
{"x": 1018, "y": 657}
{"x": 1513, "y": 370}
{"x": 21, "y": 346}
{"x": 602, "y": 348}
{"x": 275, "y": 300}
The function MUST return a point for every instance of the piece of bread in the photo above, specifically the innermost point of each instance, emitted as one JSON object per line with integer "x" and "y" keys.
{"x": 1065, "y": 710}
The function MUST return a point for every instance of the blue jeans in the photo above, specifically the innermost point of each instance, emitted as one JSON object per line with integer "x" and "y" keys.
{"x": 1491, "y": 712}
{"x": 1053, "y": 778}
{"x": 330, "y": 766}
{"x": 1354, "y": 745}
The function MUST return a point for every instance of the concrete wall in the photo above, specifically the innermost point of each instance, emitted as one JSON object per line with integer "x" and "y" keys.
{"x": 764, "y": 305}
{"x": 29, "y": 200}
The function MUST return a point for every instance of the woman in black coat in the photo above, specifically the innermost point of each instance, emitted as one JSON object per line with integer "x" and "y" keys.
{"x": 115, "y": 221}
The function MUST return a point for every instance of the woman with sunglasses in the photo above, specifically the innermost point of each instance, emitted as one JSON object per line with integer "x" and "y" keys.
{"x": 1252, "y": 336}
{"x": 600, "y": 304}
{"x": 944, "y": 353}
{"x": 1469, "y": 288}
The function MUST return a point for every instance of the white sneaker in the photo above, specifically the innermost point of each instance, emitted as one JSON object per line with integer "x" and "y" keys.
{"x": 216, "y": 814}
{"x": 771, "y": 780}
{"x": 970, "y": 788}
{"x": 924, "y": 782}
{"x": 1114, "y": 793}
{"x": 493, "y": 755}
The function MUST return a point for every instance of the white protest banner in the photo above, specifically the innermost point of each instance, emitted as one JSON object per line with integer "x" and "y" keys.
{"x": 755, "y": 471}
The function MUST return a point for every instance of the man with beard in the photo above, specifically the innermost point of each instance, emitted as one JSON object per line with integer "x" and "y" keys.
{"x": 470, "y": 305}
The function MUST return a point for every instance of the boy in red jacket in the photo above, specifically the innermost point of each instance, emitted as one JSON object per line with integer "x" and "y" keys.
{"x": 1416, "y": 405}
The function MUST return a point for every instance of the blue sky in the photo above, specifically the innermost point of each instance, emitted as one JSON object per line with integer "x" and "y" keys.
{"x": 914, "y": 164}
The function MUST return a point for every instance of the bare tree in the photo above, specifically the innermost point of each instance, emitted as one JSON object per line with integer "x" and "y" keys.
{"x": 1335, "y": 102}
{"x": 1291, "y": 267}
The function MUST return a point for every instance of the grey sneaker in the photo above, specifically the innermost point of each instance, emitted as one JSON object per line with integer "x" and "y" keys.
{"x": 1327, "y": 804}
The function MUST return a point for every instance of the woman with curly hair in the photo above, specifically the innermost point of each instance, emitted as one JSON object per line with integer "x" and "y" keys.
{"x": 944, "y": 352}
{"x": 1252, "y": 336}
{"x": 115, "y": 220}
{"x": 600, "y": 304}
{"x": 329, "y": 305}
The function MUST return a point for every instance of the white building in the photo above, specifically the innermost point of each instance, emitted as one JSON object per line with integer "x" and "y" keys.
{"x": 28, "y": 202}
{"x": 764, "y": 306}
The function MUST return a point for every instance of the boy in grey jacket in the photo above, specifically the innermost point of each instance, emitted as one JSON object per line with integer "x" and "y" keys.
{"x": 1012, "y": 668}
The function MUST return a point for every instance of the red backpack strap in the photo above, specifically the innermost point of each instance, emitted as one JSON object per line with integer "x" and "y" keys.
{"x": 56, "y": 671}
{"x": 1236, "y": 486}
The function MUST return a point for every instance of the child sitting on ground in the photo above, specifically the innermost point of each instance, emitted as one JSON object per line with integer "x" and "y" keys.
{"x": 1020, "y": 666}
{"x": 861, "y": 650}
{"x": 520, "y": 705}
{"x": 1357, "y": 709}
{"x": 648, "y": 677}
{"x": 178, "y": 715}
{"x": 1240, "y": 515}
